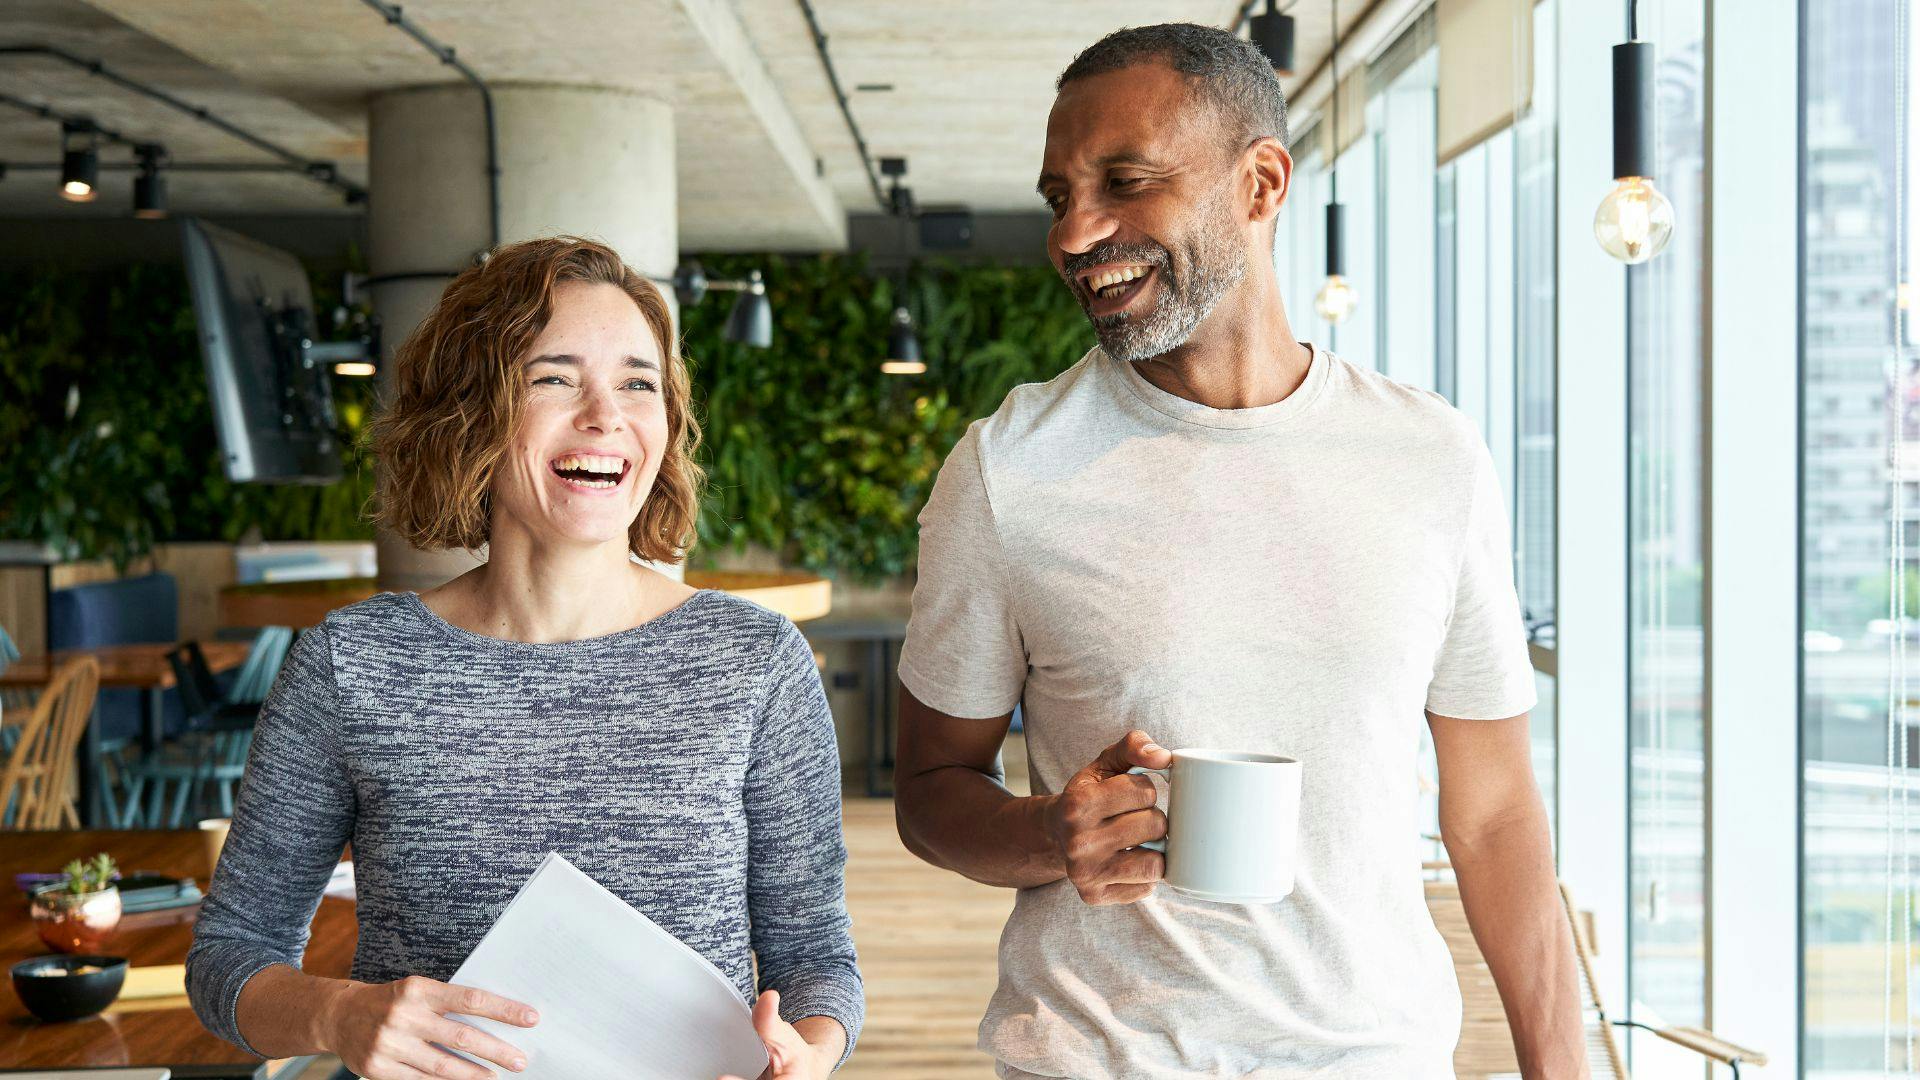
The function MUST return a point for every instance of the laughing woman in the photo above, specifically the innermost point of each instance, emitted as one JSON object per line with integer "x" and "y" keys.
{"x": 674, "y": 744}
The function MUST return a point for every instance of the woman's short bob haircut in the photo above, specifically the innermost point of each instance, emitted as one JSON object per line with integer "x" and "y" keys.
{"x": 455, "y": 399}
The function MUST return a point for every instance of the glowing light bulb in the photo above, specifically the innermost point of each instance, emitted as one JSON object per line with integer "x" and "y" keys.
{"x": 77, "y": 191}
{"x": 1337, "y": 299}
{"x": 1634, "y": 221}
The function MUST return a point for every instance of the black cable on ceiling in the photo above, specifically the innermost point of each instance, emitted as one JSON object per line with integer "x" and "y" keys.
{"x": 391, "y": 13}
{"x": 46, "y": 112}
{"x": 323, "y": 172}
{"x": 846, "y": 110}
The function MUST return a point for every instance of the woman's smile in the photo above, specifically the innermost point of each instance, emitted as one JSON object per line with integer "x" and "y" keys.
{"x": 590, "y": 472}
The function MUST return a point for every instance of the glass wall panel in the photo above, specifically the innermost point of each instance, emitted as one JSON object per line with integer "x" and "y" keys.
{"x": 1667, "y": 820}
{"x": 1858, "y": 419}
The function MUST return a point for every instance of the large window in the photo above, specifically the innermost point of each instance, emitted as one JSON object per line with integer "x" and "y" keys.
{"x": 1667, "y": 674}
{"x": 1455, "y": 268}
{"x": 1861, "y": 827}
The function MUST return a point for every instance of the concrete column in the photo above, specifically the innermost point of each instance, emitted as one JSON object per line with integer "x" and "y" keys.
{"x": 581, "y": 160}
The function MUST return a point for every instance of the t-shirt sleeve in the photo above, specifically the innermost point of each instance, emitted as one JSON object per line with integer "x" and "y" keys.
{"x": 963, "y": 655}
{"x": 1482, "y": 671}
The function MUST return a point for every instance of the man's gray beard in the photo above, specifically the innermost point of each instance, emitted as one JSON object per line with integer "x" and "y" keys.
{"x": 1217, "y": 264}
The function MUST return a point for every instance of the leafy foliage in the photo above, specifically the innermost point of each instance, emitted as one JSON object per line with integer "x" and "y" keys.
{"x": 89, "y": 875}
{"x": 109, "y": 437}
{"x": 810, "y": 449}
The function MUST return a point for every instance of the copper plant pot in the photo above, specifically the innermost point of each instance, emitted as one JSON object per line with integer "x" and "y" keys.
{"x": 76, "y": 922}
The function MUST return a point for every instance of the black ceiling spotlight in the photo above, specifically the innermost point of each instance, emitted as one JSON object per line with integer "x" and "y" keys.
{"x": 1273, "y": 33}
{"x": 751, "y": 320}
{"x": 899, "y": 196}
{"x": 149, "y": 186}
{"x": 79, "y": 161}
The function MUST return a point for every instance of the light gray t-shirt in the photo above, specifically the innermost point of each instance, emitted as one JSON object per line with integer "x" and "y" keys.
{"x": 1302, "y": 578}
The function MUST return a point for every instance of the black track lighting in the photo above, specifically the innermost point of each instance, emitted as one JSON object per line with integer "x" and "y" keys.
{"x": 149, "y": 184}
{"x": 79, "y": 161}
{"x": 1273, "y": 33}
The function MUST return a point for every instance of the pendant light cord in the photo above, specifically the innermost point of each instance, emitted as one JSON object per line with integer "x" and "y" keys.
{"x": 1333, "y": 65}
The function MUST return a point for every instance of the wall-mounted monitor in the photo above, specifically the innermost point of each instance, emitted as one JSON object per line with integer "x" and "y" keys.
{"x": 272, "y": 403}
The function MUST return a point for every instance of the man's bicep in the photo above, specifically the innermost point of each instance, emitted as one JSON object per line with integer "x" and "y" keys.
{"x": 931, "y": 739}
{"x": 1486, "y": 769}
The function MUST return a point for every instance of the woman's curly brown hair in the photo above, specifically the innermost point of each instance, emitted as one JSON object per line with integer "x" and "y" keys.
{"x": 456, "y": 394}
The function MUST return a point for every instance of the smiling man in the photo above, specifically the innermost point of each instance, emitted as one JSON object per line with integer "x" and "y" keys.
{"x": 1209, "y": 533}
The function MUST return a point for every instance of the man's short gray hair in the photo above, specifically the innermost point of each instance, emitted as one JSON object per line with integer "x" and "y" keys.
{"x": 1231, "y": 75}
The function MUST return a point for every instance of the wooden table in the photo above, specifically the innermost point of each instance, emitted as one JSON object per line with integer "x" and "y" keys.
{"x": 153, "y": 1031}
{"x": 122, "y": 667}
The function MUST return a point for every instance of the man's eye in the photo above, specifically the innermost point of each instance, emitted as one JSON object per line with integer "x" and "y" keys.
{"x": 1126, "y": 181}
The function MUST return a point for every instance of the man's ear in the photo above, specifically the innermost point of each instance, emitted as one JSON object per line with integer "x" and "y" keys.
{"x": 1270, "y": 178}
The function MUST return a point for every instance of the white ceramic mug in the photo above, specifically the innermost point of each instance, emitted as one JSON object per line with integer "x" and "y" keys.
{"x": 1232, "y": 823}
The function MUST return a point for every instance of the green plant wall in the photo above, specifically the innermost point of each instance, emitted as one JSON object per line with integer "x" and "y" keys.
{"x": 815, "y": 453}
{"x": 811, "y": 451}
{"x": 106, "y": 437}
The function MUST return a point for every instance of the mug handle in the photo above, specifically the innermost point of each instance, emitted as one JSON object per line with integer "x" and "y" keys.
{"x": 1167, "y": 775}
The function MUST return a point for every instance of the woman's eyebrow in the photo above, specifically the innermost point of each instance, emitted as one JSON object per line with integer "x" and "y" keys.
{"x": 570, "y": 360}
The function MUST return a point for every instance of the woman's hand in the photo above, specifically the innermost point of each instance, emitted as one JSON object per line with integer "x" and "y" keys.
{"x": 793, "y": 1057}
{"x": 386, "y": 1031}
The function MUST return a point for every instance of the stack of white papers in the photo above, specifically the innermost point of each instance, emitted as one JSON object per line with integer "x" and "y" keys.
{"x": 617, "y": 995}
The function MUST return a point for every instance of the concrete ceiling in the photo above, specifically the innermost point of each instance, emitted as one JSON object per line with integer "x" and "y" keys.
{"x": 765, "y": 157}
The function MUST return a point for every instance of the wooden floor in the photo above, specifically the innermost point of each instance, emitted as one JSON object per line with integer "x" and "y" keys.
{"x": 927, "y": 941}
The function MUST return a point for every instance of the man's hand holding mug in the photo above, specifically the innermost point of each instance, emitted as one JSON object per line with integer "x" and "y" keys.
{"x": 1103, "y": 815}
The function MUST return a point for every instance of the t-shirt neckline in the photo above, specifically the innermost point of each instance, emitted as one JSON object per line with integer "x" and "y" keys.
{"x": 618, "y": 637}
{"x": 1186, "y": 411}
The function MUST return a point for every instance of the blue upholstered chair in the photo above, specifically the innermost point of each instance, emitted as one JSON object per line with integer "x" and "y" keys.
{"x": 130, "y": 611}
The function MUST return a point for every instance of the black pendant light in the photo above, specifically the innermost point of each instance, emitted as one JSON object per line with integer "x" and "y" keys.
{"x": 1272, "y": 32}
{"x": 1634, "y": 221}
{"x": 903, "y": 344}
{"x": 1337, "y": 298}
{"x": 750, "y": 322}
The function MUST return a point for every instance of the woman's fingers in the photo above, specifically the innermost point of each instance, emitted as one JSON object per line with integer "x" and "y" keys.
{"x": 473, "y": 1042}
{"x": 472, "y": 1001}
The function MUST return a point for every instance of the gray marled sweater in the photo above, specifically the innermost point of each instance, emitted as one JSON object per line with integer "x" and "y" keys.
{"x": 688, "y": 765}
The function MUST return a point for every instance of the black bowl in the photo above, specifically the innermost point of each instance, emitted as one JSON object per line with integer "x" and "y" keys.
{"x": 68, "y": 997}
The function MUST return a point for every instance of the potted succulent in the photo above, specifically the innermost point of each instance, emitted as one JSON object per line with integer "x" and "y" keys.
{"x": 78, "y": 913}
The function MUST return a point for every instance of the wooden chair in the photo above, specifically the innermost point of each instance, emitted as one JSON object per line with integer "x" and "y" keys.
{"x": 36, "y": 787}
{"x": 1486, "y": 1043}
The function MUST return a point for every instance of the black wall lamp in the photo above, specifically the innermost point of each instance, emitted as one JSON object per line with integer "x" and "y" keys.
{"x": 751, "y": 320}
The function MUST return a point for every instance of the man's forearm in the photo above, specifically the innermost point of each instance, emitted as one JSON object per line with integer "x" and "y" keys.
{"x": 1512, "y": 900}
{"x": 964, "y": 820}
